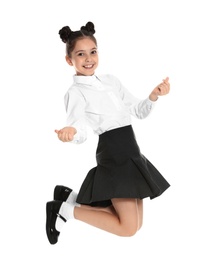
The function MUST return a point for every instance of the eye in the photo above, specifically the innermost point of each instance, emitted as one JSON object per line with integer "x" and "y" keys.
{"x": 94, "y": 52}
{"x": 80, "y": 54}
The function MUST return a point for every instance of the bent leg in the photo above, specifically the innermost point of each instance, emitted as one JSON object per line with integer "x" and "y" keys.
{"x": 123, "y": 221}
{"x": 140, "y": 213}
{"x": 109, "y": 209}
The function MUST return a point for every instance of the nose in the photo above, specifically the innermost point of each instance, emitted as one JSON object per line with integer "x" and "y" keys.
{"x": 88, "y": 58}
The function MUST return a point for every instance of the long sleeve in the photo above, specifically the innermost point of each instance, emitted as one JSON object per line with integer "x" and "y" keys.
{"x": 137, "y": 107}
{"x": 75, "y": 108}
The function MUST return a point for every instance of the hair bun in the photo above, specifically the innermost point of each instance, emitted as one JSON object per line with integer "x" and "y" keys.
{"x": 65, "y": 33}
{"x": 89, "y": 27}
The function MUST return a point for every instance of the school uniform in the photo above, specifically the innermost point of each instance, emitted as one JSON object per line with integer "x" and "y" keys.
{"x": 122, "y": 171}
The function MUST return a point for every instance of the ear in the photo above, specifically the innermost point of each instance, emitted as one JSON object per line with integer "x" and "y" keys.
{"x": 68, "y": 60}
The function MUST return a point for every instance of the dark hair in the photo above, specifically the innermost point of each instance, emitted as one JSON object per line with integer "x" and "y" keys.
{"x": 71, "y": 37}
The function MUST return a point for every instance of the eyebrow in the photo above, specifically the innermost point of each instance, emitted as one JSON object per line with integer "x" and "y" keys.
{"x": 84, "y": 50}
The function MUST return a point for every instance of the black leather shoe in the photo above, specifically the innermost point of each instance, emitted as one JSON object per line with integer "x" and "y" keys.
{"x": 61, "y": 193}
{"x": 52, "y": 212}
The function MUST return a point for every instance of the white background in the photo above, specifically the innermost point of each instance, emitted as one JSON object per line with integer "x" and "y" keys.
{"x": 141, "y": 42}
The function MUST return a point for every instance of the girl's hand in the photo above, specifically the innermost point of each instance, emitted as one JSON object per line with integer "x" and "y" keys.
{"x": 162, "y": 89}
{"x": 66, "y": 134}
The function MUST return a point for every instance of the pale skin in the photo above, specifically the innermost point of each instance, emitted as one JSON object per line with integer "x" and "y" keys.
{"x": 125, "y": 216}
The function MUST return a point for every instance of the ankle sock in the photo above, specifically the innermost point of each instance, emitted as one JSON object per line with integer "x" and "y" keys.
{"x": 66, "y": 211}
{"x": 72, "y": 198}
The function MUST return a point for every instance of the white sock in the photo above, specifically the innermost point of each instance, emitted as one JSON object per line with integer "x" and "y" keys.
{"x": 72, "y": 198}
{"x": 67, "y": 212}
{"x": 59, "y": 224}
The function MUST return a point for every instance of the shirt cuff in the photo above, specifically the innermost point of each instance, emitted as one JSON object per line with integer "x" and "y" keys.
{"x": 80, "y": 137}
{"x": 150, "y": 101}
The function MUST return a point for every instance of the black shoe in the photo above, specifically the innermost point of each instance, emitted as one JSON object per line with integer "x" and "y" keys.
{"x": 52, "y": 212}
{"x": 61, "y": 193}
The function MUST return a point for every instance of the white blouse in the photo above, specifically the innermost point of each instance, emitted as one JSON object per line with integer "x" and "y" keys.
{"x": 103, "y": 104}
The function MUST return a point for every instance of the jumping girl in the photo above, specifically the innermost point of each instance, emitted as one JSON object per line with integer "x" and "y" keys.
{"x": 111, "y": 196}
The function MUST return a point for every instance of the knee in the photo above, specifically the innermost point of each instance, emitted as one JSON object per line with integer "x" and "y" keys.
{"x": 128, "y": 231}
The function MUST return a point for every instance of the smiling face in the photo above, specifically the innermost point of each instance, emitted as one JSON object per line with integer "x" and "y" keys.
{"x": 84, "y": 57}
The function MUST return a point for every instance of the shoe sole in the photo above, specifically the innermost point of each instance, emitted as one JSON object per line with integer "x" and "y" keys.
{"x": 58, "y": 190}
{"x": 49, "y": 215}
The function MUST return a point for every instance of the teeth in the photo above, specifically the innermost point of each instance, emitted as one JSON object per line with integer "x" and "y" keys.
{"x": 88, "y": 66}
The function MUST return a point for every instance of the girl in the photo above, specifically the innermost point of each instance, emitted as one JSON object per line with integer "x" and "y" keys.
{"x": 111, "y": 196}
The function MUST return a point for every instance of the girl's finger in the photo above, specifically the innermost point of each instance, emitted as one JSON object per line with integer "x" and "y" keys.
{"x": 166, "y": 79}
{"x": 70, "y": 137}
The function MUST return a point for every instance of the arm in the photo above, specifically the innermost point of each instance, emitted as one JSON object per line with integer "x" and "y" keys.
{"x": 142, "y": 108}
{"x": 75, "y": 131}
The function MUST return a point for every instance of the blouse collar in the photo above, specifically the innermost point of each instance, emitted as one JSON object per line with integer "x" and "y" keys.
{"x": 93, "y": 81}
{"x": 86, "y": 80}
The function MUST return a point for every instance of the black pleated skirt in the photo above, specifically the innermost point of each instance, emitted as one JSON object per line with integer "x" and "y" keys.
{"x": 121, "y": 171}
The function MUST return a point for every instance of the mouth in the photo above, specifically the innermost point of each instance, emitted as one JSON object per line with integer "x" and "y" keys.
{"x": 89, "y": 66}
